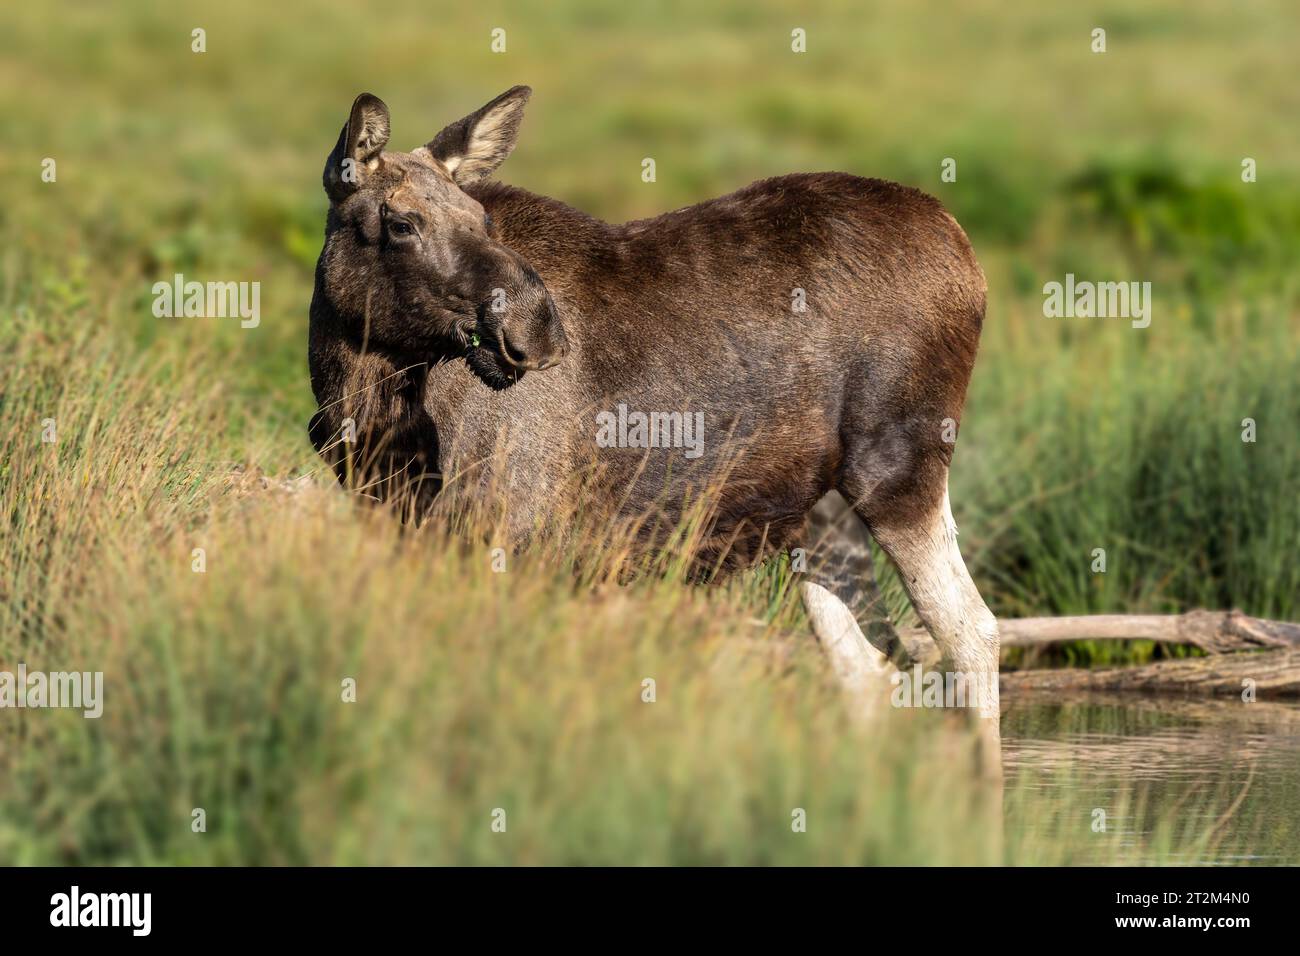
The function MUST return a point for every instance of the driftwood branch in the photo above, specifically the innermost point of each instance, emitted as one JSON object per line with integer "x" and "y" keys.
{"x": 1271, "y": 675}
{"x": 1215, "y": 632}
{"x": 1268, "y": 658}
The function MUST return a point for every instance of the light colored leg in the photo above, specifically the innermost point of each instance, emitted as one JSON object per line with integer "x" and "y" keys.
{"x": 861, "y": 669}
{"x": 945, "y": 598}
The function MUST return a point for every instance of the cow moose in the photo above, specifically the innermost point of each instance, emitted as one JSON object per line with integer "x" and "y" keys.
{"x": 826, "y": 323}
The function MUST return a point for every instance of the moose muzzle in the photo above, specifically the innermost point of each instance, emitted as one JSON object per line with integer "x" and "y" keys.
{"x": 521, "y": 319}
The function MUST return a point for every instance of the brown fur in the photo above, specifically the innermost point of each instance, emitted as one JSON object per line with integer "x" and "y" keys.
{"x": 688, "y": 311}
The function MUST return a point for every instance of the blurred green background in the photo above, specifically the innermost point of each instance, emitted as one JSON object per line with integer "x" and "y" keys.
{"x": 1079, "y": 434}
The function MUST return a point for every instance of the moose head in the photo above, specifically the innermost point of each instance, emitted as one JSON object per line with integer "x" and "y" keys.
{"x": 413, "y": 264}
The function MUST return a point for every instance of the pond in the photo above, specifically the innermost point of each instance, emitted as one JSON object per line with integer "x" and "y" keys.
{"x": 1145, "y": 779}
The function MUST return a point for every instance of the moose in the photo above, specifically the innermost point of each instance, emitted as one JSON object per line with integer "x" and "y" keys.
{"x": 825, "y": 323}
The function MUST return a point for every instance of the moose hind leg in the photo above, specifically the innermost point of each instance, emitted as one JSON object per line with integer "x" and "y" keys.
{"x": 944, "y": 596}
{"x": 840, "y": 561}
{"x": 923, "y": 545}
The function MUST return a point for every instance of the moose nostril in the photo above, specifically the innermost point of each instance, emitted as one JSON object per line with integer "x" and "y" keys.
{"x": 518, "y": 355}
{"x": 514, "y": 355}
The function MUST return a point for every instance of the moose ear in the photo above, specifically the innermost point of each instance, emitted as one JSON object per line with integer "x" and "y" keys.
{"x": 363, "y": 138}
{"x": 473, "y": 147}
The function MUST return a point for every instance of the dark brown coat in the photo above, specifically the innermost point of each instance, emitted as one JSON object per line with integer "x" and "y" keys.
{"x": 691, "y": 311}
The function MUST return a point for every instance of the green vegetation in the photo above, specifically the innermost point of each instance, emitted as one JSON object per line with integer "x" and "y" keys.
{"x": 523, "y": 690}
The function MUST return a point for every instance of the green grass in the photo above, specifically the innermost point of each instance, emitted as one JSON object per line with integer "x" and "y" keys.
{"x": 521, "y": 690}
{"x": 475, "y": 689}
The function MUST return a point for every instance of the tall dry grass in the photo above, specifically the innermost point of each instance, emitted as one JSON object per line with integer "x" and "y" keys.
{"x": 476, "y": 690}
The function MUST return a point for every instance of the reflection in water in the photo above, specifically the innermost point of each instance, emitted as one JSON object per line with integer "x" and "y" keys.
{"x": 1222, "y": 777}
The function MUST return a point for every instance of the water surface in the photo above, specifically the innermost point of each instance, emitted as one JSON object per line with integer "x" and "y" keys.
{"x": 1220, "y": 778}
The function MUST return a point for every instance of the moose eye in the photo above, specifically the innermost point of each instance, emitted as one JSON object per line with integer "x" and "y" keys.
{"x": 399, "y": 228}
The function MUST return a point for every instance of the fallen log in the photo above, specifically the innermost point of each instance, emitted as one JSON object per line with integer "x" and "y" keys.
{"x": 1270, "y": 675}
{"x": 1240, "y": 648}
{"x": 1215, "y": 632}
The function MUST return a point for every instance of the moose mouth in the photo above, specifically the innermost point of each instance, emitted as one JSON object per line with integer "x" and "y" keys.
{"x": 489, "y": 355}
{"x": 532, "y": 343}
{"x": 493, "y": 370}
